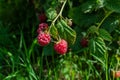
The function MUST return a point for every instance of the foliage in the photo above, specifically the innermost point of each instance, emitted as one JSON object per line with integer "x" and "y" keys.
{"x": 22, "y": 58}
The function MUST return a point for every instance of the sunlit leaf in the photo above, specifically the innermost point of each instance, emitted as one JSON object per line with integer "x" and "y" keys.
{"x": 66, "y": 32}
{"x": 93, "y": 30}
{"x": 98, "y": 48}
{"x": 51, "y": 14}
{"x": 54, "y": 32}
{"x": 105, "y": 35}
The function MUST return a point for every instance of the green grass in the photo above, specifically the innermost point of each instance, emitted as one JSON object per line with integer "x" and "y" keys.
{"x": 23, "y": 61}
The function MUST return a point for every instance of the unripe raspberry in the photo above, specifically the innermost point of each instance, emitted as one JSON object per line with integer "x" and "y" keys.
{"x": 61, "y": 46}
{"x": 42, "y": 27}
{"x": 84, "y": 42}
{"x": 69, "y": 22}
{"x": 42, "y": 17}
{"x": 43, "y": 39}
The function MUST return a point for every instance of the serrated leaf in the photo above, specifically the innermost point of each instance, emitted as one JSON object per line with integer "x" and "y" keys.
{"x": 48, "y": 50}
{"x": 92, "y": 46}
{"x": 88, "y": 6}
{"x": 105, "y": 34}
{"x": 51, "y": 14}
{"x": 80, "y": 18}
{"x": 93, "y": 30}
{"x": 66, "y": 32}
{"x": 113, "y": 5}
{"x": 97, "y": 46}
{"x": 100, "y": 48}
{"x": 61, "y": 30}
{"x": 97, "y": 58}
{"x": 111, "y": 23}
{"x": 53, "y": 32}
{"x": 70, "y": 33}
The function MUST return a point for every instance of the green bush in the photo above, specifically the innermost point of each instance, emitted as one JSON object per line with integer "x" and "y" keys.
{"x": 91, "y": 28}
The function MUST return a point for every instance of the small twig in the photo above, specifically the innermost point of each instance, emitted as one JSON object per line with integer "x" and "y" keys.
{"x": 60, "y": 14}
{"x": 108, "y": 14}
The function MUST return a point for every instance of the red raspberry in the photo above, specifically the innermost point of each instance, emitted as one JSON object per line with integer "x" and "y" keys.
{"x": 43, "y": 39}
{"x": 117, "y": 74}
{"x": 42, "y": 27}
{"x": 42, "y": 17}
{"x": 61, "y": 46}
{"x": 84, "y": 42}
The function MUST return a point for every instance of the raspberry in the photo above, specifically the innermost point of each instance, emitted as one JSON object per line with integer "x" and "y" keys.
{"x": 117, "y": 74}
{"x": 42, "y": 17}
{"x": 69, "y": 22}
{"x": 84, "y": 42}
{"x": 61, "y": 46}
{"x": 43, "y": 39}
{"x": 42, "y": 27}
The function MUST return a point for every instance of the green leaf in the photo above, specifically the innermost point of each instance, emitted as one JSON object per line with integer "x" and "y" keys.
{"x": 92, "y": 46}
{"x": 105, "y": 35}
{"x": 111, "y": 23}
{"x": 60, "y": 28}
{"x": 98, "y": 49}
{"x": 48, "y": 50}
{"x": 92, "y": 30}
{"x": 51, "y": 14}
{"x": 100, "y": 44}
{"x": 100, "y": 3}
{"x": 66, "y": 32}
{"x": 82, "y": 19}
{"x": 98, "y": 58}
{"x": 53, "y": 32}
{"x": 88, "y": 6}
{"x": 113, "y": 5}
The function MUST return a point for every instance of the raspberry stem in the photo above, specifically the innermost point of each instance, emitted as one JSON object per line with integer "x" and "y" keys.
{"x": 60, "y": 14}
{"x": 107, "y": 15}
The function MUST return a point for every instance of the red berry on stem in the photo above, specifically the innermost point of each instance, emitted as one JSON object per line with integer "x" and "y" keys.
{"x": 42, "y": 17}
{"x": 43, "y": 39}
{"x": 61, "y": 46}
{"x": 84, "y": 42}
{"x": 117, "y": 74}
{"x": 42, "y": 27}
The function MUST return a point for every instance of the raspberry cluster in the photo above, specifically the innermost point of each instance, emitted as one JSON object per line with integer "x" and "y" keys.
{"x": 44, "y": 37}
